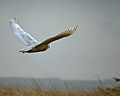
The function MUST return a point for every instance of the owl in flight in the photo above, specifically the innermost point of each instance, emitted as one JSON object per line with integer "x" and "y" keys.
{"x": 32, "y": 44}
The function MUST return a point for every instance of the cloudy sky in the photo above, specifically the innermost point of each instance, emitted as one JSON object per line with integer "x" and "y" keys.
{"x": 93, "y": 49}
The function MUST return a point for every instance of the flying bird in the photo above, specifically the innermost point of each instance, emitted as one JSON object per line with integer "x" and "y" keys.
{"x": 32, "y": 44}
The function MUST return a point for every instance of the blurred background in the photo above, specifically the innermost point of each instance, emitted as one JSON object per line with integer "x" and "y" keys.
{"x": 93, "y": 49}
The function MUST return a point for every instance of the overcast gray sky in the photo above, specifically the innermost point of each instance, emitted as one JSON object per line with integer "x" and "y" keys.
{"x": 93, "y": 49}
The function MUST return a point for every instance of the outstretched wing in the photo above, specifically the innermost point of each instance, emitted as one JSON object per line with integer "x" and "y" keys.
{"x": 21, "y": 34}
{"x": 61, "y": 35}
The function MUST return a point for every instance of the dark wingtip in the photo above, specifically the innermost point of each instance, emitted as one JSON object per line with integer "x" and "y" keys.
{"x": 22, "y": 51}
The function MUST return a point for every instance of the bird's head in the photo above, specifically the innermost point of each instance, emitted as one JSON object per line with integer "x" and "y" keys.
{"x": 48, "y": 46}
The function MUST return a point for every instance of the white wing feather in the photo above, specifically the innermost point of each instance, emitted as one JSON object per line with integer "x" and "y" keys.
{"x": 26, "y": 38}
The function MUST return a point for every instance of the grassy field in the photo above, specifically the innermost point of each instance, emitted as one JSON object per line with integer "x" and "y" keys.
{"x": 27, "y": 92}
{"x": 6, "y": 91}
{"x": 36, "y": 91}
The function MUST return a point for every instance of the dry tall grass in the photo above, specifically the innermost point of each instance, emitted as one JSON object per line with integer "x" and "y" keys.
{"x": 36, "y": 91}
{"x": 28, "y": 92}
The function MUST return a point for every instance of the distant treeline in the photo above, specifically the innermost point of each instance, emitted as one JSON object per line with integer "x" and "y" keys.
{"x": 53, "y": 83}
